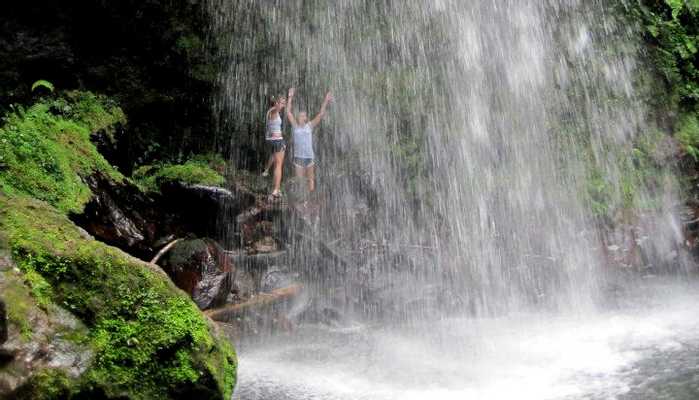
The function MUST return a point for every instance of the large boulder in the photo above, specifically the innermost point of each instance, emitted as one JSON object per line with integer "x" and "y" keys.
{"x": 95, "y": 322}
{"x": 139, "y": 223}
{"x": 200, "y": 207}
{"x": 201, "y": 268}
{"x": 121, "y": 215}
{"x": 40, "y": 340}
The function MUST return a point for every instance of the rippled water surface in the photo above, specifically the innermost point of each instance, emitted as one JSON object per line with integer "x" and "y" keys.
{"x": 647, "y": 349}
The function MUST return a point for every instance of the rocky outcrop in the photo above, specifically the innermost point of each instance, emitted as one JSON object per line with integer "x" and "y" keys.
{"x": 38, "y": 340}
{"x": 121, "y": 215}
{"x": 125, "y": 331}
{"x": 200, "y": 268}
{"x": 205, "y": 211}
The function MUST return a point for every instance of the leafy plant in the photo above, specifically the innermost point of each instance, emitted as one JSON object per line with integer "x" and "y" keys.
{"x": 43, "y": 84}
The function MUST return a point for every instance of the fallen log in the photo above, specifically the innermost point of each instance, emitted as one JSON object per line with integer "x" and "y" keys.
{"x": 226, "y": 313}
{"x": 163, "y": 251}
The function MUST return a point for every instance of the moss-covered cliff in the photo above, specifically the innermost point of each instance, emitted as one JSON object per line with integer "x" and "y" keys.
{"x": 136, "y": 335}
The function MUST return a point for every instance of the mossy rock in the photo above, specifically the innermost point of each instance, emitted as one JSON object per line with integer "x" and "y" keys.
{"x": 150, "y": 178}
{"x": 43, "y": 342}
{"x": 148, "y": 339}
{"x": 46, "y": 152}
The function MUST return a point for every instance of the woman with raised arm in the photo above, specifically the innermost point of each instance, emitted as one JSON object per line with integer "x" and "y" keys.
{"x": 275, "y": 142}
{"x": 304, "y": 157}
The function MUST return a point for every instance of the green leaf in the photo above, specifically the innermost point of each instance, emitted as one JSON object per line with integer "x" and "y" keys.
{"x": 676, "y": 6}
{"x": 42, "y": 83}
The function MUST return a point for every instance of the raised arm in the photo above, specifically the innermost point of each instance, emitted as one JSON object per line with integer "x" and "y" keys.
{"x": 316, "y": 120}
{"x": 289, "y": 111}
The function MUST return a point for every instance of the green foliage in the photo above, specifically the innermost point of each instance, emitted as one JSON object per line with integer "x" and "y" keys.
{"x": 149, "y": 339}
{"x": 201, "y": 170}
{"x": 672, "y": 28}
{"x": 638, "y": 169}
{"x": 45, "y": 150}
{"x": 599, "y": 193}
{"x": 44, "y": 84}
{"x": 688, "y": 135}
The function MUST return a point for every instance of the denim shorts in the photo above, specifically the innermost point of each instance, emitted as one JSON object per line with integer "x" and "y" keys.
{"x": 277, "y": 145}
{"x": 303, "y": 162}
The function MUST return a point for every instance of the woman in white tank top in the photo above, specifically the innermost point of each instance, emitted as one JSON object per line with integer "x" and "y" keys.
{"x": 304, "y": 157}
{"x": 275, "y": 142}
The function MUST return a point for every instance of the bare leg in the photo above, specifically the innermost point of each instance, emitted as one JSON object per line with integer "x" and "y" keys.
{"x": 311, "y": 176}
{"x": 298, "y": 171}
{"x": 270, "y": 161}
{"x": 278, "y": 164}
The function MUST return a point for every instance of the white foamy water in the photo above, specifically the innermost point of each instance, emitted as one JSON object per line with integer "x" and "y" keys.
{"x": 643, "y": 352}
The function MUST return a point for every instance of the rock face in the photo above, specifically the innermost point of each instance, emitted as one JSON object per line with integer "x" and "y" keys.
{"x": 121, "y": 215}
{"x": 36, "y": 339}
{"x": 200, "y": 208}
{"x": 201, "y": 268}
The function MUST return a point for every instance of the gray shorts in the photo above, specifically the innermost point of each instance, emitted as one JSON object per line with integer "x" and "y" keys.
{"x": 303, "y": 162}
{"x": 277, "y": 145}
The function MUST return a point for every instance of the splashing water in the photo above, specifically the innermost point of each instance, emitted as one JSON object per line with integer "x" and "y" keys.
{"x": 643, "y": 353}
{"x": 455, "y": 172}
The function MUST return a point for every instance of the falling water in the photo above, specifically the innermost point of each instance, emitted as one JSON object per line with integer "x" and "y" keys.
{"x": 455, "y": 168}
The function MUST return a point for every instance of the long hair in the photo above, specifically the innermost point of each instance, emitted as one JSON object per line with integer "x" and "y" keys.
{"x": 274, "y": 99}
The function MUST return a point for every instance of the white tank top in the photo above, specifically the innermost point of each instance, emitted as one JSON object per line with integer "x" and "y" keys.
{"x": 274, "y": 128}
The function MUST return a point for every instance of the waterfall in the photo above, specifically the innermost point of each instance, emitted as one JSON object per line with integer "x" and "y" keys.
{"x": 471, "y": 130}
{"x": 482, "y": 160}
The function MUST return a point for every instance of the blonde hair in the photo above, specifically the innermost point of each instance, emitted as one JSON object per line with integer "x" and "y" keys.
{"x": 274, "y": 99}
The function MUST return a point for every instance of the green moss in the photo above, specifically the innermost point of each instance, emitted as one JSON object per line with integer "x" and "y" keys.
{"x": 150, "y": 340}
{"x": 40, "y": 288}
{"x": 688, "y": 135}
{"x": 49, "y": 384}
{"x": 180, "y": 254}
{"x": 45, "y": 151}
{"x": 198, "y": 170}
{"x": 18, "y": 303}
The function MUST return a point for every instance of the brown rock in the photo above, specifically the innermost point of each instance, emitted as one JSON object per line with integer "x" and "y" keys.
{"x": 201, "y": 268}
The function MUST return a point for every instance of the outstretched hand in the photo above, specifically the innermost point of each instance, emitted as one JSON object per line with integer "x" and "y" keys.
{"x": 329, "y": 97}
{"x": 292, "y": 91}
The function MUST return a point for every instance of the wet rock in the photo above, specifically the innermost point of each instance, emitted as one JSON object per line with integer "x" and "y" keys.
{"x": 277, "y": 278}
{"x": 200, "y": 208}
{"x": 201, "y": 268}
{"x": 121, "y": 215}
{"x": 319, "y": 312}
{"x": 265, "y": 245}
{"x": 243, "y": 287}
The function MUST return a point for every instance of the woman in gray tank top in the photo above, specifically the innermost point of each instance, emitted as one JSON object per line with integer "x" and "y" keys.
{"x": 304, "y": 157}
{"x": 275, "y": 142}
